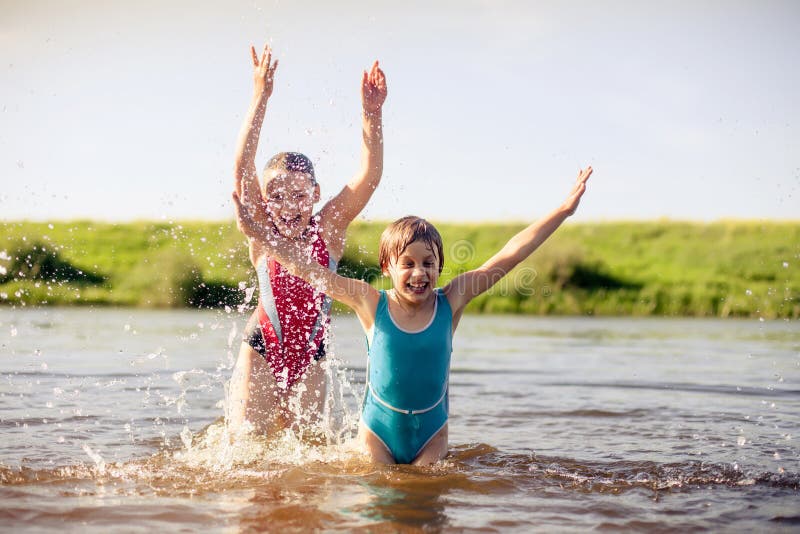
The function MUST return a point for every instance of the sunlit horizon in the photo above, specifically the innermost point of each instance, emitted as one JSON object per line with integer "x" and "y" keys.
{"x": 686, "y": 112}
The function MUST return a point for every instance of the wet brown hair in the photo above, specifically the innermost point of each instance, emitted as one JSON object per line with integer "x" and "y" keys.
{"x": 291, "y": 162}
{"x": 401, "y": 233}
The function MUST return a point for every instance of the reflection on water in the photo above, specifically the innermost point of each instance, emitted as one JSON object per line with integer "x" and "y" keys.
{"x": 110, "y": 418}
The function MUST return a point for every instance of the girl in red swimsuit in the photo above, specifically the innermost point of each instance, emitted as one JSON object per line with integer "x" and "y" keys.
{"x": 285, "y": 335}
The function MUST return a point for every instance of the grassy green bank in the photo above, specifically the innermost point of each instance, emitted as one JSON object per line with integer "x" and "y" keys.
{"x": 721, "y": 269}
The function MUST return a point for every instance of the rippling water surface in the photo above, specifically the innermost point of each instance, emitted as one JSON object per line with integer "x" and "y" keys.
{"x": 109, "y": 419}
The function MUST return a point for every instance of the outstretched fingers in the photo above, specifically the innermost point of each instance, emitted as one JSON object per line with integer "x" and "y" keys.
{"x": 584, "y": 174}
{"x": 266, "y": 56}
{"x": 380, "y": 80}
{"x": 254, "y": 55}
{"x": 373, "y": 73}
{"x": 377, "y": 77}
{"x": 373, "y": 88}
{"x": 263, "y": 70}
{"x": 574, "y": 197}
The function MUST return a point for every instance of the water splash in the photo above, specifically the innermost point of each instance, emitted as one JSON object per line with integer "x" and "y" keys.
{"x": 98, "y": 460}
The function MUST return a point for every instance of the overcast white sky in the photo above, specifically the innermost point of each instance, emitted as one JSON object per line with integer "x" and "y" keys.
{"x": 130, "y": 110}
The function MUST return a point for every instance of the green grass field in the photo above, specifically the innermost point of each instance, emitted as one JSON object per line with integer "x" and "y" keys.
{"x": 721, "y": 269}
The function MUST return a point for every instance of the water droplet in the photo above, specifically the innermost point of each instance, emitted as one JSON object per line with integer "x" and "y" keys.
{"x": 186, "y": 437}
{"x": 232, "y": 335}
{"x": 248, "y": 294}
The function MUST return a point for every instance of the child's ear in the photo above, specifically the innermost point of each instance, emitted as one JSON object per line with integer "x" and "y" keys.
{"x": 316, "y": 193}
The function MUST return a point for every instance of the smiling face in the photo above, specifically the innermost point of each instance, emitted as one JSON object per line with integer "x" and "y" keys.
{"x": 410, "y": 252}
{"x": 290, "y": 198}
{"x": 415, "y": 272}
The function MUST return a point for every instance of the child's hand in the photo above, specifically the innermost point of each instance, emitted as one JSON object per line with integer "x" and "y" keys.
{"x": 263, "y": 71}
{"x": 574, "y": 198}
{"x": 373, "y": 89}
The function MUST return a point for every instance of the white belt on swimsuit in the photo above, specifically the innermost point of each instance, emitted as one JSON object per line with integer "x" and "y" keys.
{"x": 400, "y": 410}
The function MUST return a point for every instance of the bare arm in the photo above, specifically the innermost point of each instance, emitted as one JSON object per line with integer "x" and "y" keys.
{"x": 340, "y": 211}
{"x": 245, "y": 175}
{"x": 358, "y": 295}
{"x": 462, "y": 289}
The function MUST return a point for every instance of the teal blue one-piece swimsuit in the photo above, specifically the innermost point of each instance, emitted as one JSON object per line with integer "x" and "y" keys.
{"x": 406, "y": 402}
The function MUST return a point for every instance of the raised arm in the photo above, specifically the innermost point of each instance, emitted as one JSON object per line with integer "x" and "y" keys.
{"x": 469, "y": 285}
{"x": 358, "y": 295}
{"x": 340, "y": 211}
{"x": 245, "y": 174}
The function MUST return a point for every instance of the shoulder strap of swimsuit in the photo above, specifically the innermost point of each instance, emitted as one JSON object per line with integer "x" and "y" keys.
{"x": 443, "y": 305}
{"x": 267, "y": 298}
{"x": 325, "y": 309}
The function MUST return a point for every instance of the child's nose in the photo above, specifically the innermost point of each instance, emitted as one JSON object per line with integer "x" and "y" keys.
{"x": 290, "y": 206}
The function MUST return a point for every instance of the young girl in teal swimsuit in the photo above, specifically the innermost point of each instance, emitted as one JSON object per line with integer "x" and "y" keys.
{"x": 410, "y": 327}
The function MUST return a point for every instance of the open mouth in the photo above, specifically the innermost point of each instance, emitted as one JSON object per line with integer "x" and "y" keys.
{"x": 418, "y": 287}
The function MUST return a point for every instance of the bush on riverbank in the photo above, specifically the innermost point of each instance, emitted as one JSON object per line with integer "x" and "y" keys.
{"x": 730, "y": 268}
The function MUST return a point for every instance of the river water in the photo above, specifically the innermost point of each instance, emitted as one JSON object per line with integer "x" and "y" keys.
{"x": 109, "y": 420}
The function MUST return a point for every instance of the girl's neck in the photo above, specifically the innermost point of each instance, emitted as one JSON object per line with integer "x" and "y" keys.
{"x": 411, "y": 308}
